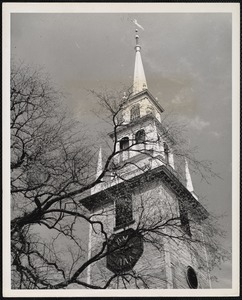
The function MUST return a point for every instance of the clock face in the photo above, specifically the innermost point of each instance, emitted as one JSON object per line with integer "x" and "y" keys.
{"x": 125, "y": 249}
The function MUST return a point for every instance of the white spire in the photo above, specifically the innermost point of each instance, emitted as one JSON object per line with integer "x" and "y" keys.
{"x": 139, "y": 74}
{"x": 189, "y": 184}
{"x": 99, "y": 163}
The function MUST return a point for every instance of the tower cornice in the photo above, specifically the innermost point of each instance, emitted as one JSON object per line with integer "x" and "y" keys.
{"x": 160, "y": 173}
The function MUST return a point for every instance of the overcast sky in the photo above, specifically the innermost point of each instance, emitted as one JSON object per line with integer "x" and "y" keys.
{"x": 187, "y": 60}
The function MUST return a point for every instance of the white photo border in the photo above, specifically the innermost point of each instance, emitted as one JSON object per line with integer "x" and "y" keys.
{"x": 44, "y": 7}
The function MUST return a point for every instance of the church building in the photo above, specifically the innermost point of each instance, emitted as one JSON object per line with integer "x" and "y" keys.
{"x": 152, "y": 219}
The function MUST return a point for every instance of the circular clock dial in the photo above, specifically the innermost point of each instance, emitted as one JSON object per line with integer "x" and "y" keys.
{"x": 124, "y": 250}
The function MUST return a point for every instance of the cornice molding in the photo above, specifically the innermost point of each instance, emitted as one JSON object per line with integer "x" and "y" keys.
{"x": 161, "y": 173}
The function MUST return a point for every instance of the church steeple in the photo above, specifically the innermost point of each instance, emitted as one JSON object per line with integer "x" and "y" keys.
{"x": 146, "y": 183}
{"x": 139, "y": 83}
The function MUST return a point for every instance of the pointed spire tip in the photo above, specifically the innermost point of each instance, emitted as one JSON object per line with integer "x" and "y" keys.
{"x": 139, "y": 83}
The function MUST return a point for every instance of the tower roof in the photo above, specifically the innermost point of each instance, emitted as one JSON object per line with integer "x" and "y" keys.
{"x": 139, "y": 83}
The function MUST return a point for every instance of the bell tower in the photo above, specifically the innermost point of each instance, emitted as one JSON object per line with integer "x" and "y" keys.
{"x": 146, "y": 204}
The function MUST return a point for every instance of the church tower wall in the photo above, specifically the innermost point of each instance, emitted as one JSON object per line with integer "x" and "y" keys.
{"x": 164, "y": 261}
{"x": 151, "y": 195}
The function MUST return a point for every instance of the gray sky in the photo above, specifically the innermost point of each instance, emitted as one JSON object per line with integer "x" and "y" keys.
{"x": 187, "y": 60}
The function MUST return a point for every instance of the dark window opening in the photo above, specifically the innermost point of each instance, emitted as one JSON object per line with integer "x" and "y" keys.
{"x": 184, "y": 220}
{"x": 124, "y": 214}
{"x": 124, "y": 143}
{"x": 166, "y": 151}
{"x": 135, "y": 112}
{"x": 192, "y": 278}
{"x": 140, "y": 136}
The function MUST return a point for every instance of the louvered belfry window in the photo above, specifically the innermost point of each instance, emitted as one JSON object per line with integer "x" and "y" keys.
{"x": 124, "y": 143}
{"x": 140, "y": 136}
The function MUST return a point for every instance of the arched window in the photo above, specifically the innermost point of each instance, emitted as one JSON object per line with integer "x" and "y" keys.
{"x": 124, "y": 143}
{"x": 140, "y": 136}
{"x": 135, "y": 112}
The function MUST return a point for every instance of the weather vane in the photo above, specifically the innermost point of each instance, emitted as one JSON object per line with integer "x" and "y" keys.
{"x": 137, "y": 24}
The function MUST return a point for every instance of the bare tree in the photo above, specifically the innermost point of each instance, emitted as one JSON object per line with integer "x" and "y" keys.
{"x": 52, "y": 169}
